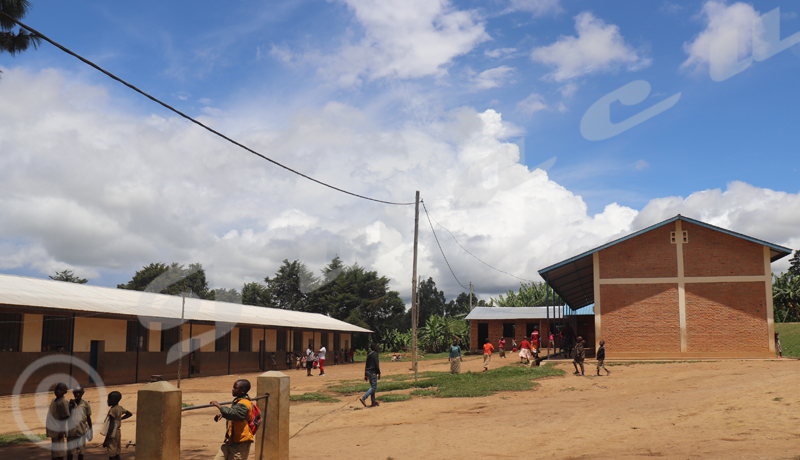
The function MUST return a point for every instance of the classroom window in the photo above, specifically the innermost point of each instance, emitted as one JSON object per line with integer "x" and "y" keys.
{"x": 10, "y": 331}
{"x": 223, "y": 336}
{"x": 170, "y": 335}
{"x": 509, "y": 330}
{"x": 245, "y": 339}
{"x": 56, "y": 333}
{"x": 323, "y": 341}
{"x": 135, "y": 328}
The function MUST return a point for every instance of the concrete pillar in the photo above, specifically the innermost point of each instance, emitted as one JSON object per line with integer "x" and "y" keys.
{"x": 158, "y": 422}
{"x": 272, "y": 439}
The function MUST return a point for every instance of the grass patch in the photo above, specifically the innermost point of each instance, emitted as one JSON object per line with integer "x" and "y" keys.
{"x": 790, "y": 338}
{"x": 468, "y": 385}
{"x": 319, "y": 397}
{"x": 388, "y": 358}
{"x": 423, "y": 392}
{"x": 779, "y": 399}
{"x": 14, "y": 439}
{"x": 393, "y": 398}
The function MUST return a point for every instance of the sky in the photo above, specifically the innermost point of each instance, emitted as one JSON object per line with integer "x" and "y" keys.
{"x": 533, "y": 129}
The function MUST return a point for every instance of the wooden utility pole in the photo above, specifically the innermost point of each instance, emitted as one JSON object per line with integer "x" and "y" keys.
{"x": 470, "y": 296}
{"x": 180, "y": 335}
{"x": 414, "y": 305}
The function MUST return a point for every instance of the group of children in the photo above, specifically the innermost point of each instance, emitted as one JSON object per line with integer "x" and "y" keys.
{"x": 69, "y": 424}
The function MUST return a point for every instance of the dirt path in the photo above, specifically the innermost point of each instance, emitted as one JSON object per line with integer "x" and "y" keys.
{"x": 699, "y": 410}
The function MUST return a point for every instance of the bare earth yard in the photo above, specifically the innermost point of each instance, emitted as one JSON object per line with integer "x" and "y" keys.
{"x": 687, "y": 410}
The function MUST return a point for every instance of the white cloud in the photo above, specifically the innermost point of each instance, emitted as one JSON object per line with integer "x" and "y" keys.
{"x": 531, "y": 104}
{"x": 726, "y": 26}
{"x": 499, "y": 52}
{"x": 537, "y": 7}
{"x": 86, "y": 187}
{"x": 598, "y": 47}
{"x": 404, "y": 39}
{"x": 640, "y": 165}
{"x": 492, "y": 78}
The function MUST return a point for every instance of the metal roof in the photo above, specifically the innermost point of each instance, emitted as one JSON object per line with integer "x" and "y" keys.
{"x": 573, "y": 279}
{"x": 35, "y": 292}
{"x": 485, "y": 313}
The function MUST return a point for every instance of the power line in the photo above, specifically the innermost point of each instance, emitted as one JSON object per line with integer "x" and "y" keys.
{"x": 169, "y": 107}
{"x": 440, "y": 246}
{"x": 476, "y": 257}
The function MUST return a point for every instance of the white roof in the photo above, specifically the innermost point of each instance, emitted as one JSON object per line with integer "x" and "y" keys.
{"x": 36, "y": 292}
{"x": 486, "y": 313}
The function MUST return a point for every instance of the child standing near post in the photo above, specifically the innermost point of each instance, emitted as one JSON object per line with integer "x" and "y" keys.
{"x": 80, "y": 424}
{"x": 56, "y": 424}
{"x": 116, "y": 414}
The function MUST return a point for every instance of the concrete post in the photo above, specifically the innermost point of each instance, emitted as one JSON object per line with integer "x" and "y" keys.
{"x": 272, "y": 439}
{"x": 158, "y": 422}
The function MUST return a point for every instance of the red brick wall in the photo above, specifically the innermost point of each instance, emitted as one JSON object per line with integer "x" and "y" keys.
{"x": 713, "y": 253}
{"x": 726, "y": 317}
{"x": 649, "y": 255}
{"x": 640, "y": 318}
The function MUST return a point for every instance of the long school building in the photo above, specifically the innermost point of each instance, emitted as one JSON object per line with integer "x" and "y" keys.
{"x": 680, "y": 288}
{"x": 125, "y": 336}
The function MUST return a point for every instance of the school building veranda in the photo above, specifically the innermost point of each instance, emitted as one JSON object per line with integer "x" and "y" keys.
{"x": 128, "y": 336}
{"x": 679, "y": 289}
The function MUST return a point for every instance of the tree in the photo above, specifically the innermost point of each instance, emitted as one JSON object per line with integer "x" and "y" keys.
{"x": 10, "y": 42}
{"x": 431, "y": 301}
{"x": 170, "y": 279}
{"x": 256, "y": 294}
{"x": 786, "y": 298}
{"x": 291, "y": 286}
{"x": 68, "y": 276}
{"x": 360, "y": 297}
{"x": 460, "y": 305}
{"x": 794, "y": 264}
{"x": 529, "y": 295}
{"x": 226, "y": 295}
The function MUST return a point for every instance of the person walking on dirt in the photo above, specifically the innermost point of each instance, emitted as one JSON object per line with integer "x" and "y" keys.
{"x": 372, "y": 373}
{"x": 501, "y": 345}
{"x": 601, "y": 356}
{"x": 487, "y": 354}
{"x": 455, "y": 358}
{"x": 580, "y": 355}
{"x": 778, "y": 348}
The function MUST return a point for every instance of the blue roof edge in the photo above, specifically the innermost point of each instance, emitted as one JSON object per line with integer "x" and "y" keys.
{"x": 780, "y": 249}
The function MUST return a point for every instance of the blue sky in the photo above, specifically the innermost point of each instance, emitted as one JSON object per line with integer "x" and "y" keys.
{"x": 477, "y": 104}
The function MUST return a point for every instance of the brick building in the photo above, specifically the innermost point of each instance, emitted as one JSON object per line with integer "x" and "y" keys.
{"x": 517, "y": 323}
{"x": 127, "y": 336}
{"x": 680, "y": 288}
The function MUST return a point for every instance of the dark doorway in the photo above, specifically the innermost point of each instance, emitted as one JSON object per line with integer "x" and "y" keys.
{"x": 529, "y": 328}
{"x": 483, "y": 334}
{"x": 94, "y": 355}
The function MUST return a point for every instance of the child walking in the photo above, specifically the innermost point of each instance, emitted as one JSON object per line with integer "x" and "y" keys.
{"x": 601, "y": 356}
{"x": 116, "y": 414}
{"x": 56, "y": 424}
{"x": 80, "y": 424}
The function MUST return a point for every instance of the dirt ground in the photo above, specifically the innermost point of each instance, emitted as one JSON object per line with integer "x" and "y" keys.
{"x": 689, "y": 410}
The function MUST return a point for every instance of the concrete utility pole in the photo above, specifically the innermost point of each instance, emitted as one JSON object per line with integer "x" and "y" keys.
{"x": 414, "y": 291}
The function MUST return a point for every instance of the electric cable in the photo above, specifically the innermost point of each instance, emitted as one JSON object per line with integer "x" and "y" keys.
{"x": 476, "y": 257}
{"x": 440, "y": 246}
{"x": 178, "y": 112}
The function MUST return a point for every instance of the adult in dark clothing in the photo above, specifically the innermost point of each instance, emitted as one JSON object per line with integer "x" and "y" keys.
{"x": 372, "y": 373}
{"x": 580, "y": 355}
